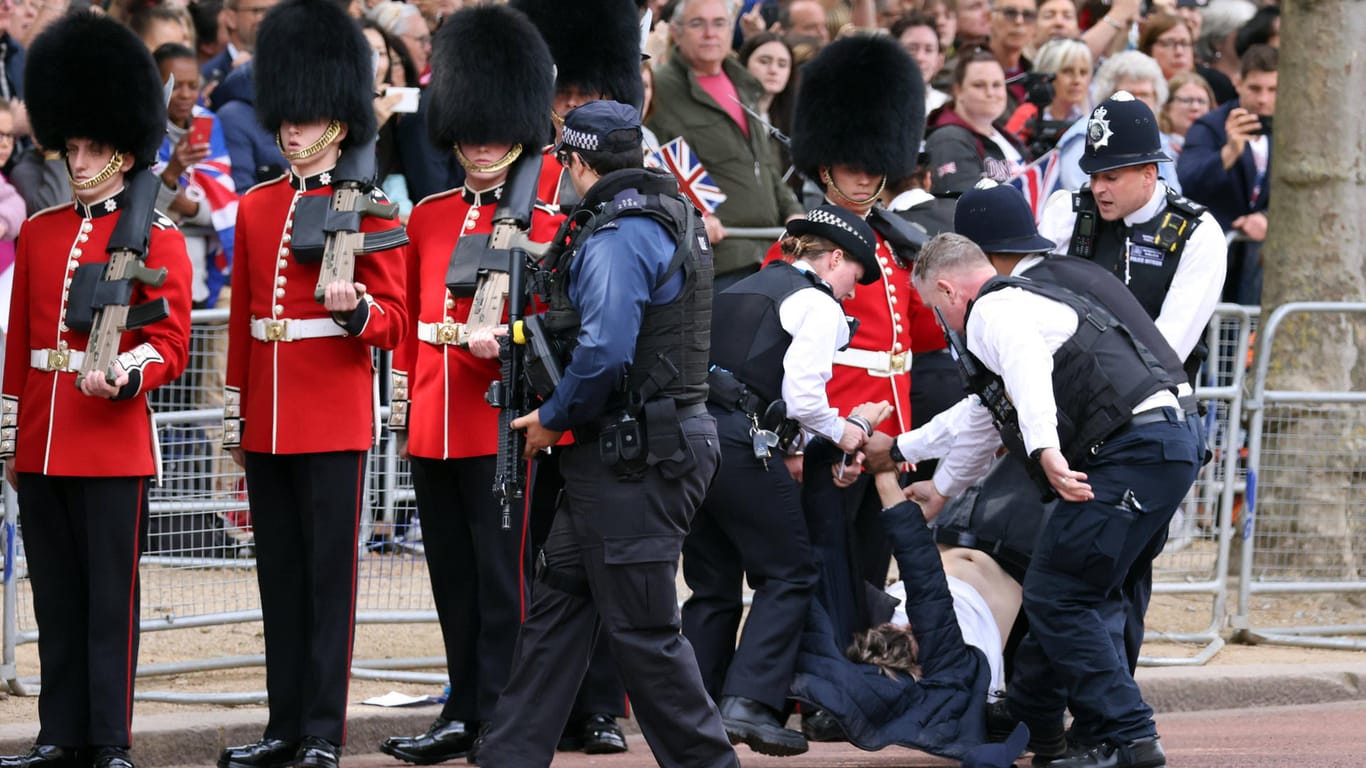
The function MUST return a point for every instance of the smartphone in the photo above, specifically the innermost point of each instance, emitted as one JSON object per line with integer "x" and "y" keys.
{"x": 1265, "y": 128}
{"x": 200, "y": 129}
{"x": 409, "y": 101}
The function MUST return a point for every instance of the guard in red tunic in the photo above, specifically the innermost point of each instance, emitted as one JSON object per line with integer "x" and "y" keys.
{"x": 478, "y": 569}
{"x": 300, "y": 409}
{"x": 81, "y": 451}
{"x": 850, "y": 139}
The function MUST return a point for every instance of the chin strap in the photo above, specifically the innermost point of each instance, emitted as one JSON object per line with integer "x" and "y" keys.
{"x": 110, "y": 168}
{"x": 497, "y": 165}
{"x": 831, "y": 186}
{"x": 329, "y": 136}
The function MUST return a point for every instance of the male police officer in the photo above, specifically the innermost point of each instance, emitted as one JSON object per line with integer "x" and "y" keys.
{"x": 80, "y": 449}
{"x": 632, "y": 291}
{"x": 1168, "y": 250}
{"x": 1105, "y": 405}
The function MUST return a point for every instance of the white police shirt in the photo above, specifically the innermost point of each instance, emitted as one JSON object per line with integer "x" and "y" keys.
{"x": 818, "y": 328}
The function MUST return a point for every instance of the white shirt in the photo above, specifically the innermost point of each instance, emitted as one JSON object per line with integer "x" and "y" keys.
{"x": 934, "y": 99}
{"x": 975, "y": 621}
{"x": 1199, "y": 277}
{"x": 909, "y": 199}
{"x": 817, "y": 326}
{"x": 1022, "y": 353}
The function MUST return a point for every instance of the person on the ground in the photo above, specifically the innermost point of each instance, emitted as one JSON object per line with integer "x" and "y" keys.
{"x": 1120, "y": 459}
{"x": 80, "y": 448}
{"x": 637, "y": 278}
{"x": 775, "y": 336}
{"x": 1227, "y": 160}
{"x": 299, "y": 413}
{"x": 446, "y": 429}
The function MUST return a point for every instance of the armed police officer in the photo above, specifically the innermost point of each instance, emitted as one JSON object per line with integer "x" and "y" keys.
{"x": 300, "y": 413}
{"x": 773, "y": 347}
{"x": 631, "y": 294}
{"x": 1167, "y": 249}
{"x": 478, "y": 571}
{"x": 78, "y": 443}
{"x": 1084, "y": 394}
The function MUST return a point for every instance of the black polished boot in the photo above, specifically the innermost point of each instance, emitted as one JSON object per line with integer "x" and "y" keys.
{"x": 41, "y": 756}
{"x": 753, "y": 723}
{"x": 444, "y": 740}
{"x": 317, "y": 753}
{"x": 473, "y": 757}
{"x": 1139, "y": 753}
{"x": 266, "y": 753}
{"x": 602, "y": 736}
{"x": 111, "y": 757}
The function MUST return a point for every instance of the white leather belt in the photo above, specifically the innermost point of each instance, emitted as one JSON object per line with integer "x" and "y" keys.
{"x": 69, "y": 360}
{"x": 875, "y": 362}
{"x": 440, "y": 334}
{"x": 267, "y": 329}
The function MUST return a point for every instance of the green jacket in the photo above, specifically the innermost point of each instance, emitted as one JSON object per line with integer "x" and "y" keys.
{"x": 744, "y": 168}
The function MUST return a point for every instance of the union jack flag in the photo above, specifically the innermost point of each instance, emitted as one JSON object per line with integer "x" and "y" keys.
{"x": 210, "y": 180}
{"x": 1038, "y": 180}
{"x": 693, "y": 180}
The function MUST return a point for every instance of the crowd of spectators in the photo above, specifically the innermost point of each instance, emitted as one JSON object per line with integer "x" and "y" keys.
{"x": 723, "y": 74}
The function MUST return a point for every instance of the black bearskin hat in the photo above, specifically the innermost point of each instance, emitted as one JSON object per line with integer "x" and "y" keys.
{"x": 90, "y": 77}
{"x": 493, "y": 80}
{"x": 861, "y": 103}
{"x": 596, "y": 45}
{"x": 312, "y": 63}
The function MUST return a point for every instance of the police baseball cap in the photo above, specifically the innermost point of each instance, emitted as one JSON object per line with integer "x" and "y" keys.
{"x": 846, "y": 229}
{"x": 998, "y": 219}
{"x": 601, "y": 126}
{"x": 1121, "y": 132}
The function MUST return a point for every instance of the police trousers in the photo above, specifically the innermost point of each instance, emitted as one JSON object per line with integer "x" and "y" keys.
{"x": 610, "y": 563}
{"x": 1074, "y": 655}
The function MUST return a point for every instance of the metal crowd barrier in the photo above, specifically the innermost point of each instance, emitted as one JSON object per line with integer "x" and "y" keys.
{"x": 1195, "y": 564}
{"x": 1303, "y": 534}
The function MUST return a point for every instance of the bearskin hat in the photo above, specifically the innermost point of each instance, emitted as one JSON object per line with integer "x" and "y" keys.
{"x": 312, "y": 63}
{"x": 493, "y": 80}
{"x": 596, "y": 45}
{"x": 861, "y": 103}
{"x": 90, "y": 77}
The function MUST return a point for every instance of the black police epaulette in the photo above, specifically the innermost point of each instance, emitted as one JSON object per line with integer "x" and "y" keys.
{"x": 1185, "y": 205}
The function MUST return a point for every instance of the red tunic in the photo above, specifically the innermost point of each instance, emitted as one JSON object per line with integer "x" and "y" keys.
{"x": 61, "y": 431}
{"x": 314, "y": 394}
{"x": 892, "y": 320}
{"x": 549, "y": 186}
{"x": 447, "y": 416}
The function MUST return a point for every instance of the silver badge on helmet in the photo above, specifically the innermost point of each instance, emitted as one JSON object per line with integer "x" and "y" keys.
{"x": 1098, "y": 131}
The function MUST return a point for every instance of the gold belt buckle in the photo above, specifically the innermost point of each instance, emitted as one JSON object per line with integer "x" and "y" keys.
{"x": 448, "y": 333}
{"x": 58, "y": 359}
{"x": 275, "y": 330}
{"x": 898, "y": 363}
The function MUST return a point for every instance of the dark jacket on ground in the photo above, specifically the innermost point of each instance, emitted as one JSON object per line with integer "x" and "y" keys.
{"x": 744, "y": 168}
{"x": 944, "y": 712}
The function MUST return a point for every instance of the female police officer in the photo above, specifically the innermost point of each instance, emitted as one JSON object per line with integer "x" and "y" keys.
{"x": 774, "y": 337}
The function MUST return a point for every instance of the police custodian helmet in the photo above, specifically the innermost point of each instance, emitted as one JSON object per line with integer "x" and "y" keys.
{"x": 1121, "y": 132}
{"x": 89, "y": 77}
{"x": 312, "y": 63}
{"x": 476, "y": 54}
{"x": 998, "y": 219}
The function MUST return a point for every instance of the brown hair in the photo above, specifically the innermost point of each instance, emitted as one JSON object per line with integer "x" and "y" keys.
{"x": 1157, "y": 25}
{"x": 889, "y": 647}
{"x": 1179, "y": 81}
{"x": 809, "y": 247}
{"x": 1260, "y": 58}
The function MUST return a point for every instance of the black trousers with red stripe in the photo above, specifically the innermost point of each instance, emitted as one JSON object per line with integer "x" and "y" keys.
{"x": 479, "y": 573}
{"x": 306, "y": 511}
{"x": 82, "y": 538}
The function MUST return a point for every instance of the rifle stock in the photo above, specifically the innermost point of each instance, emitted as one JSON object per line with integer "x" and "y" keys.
{"x": 127, "y": 250}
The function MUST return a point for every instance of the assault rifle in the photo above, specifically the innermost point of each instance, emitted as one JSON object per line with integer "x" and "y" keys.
{"x": 991, "y": 391}
{"x": 511, "y": 222}
{"x": 352, "y": 184}
{"x": 100, "y": 293}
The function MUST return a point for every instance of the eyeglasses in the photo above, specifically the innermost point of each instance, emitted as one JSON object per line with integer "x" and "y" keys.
{"x": 697, "y": 25}
{"x": 1179, "y": 45}
{"x": 1191, "y": 101}
{"x": 1018, "y": 14}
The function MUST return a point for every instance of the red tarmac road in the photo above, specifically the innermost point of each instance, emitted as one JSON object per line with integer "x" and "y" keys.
{"x": 1320, "y": 736}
